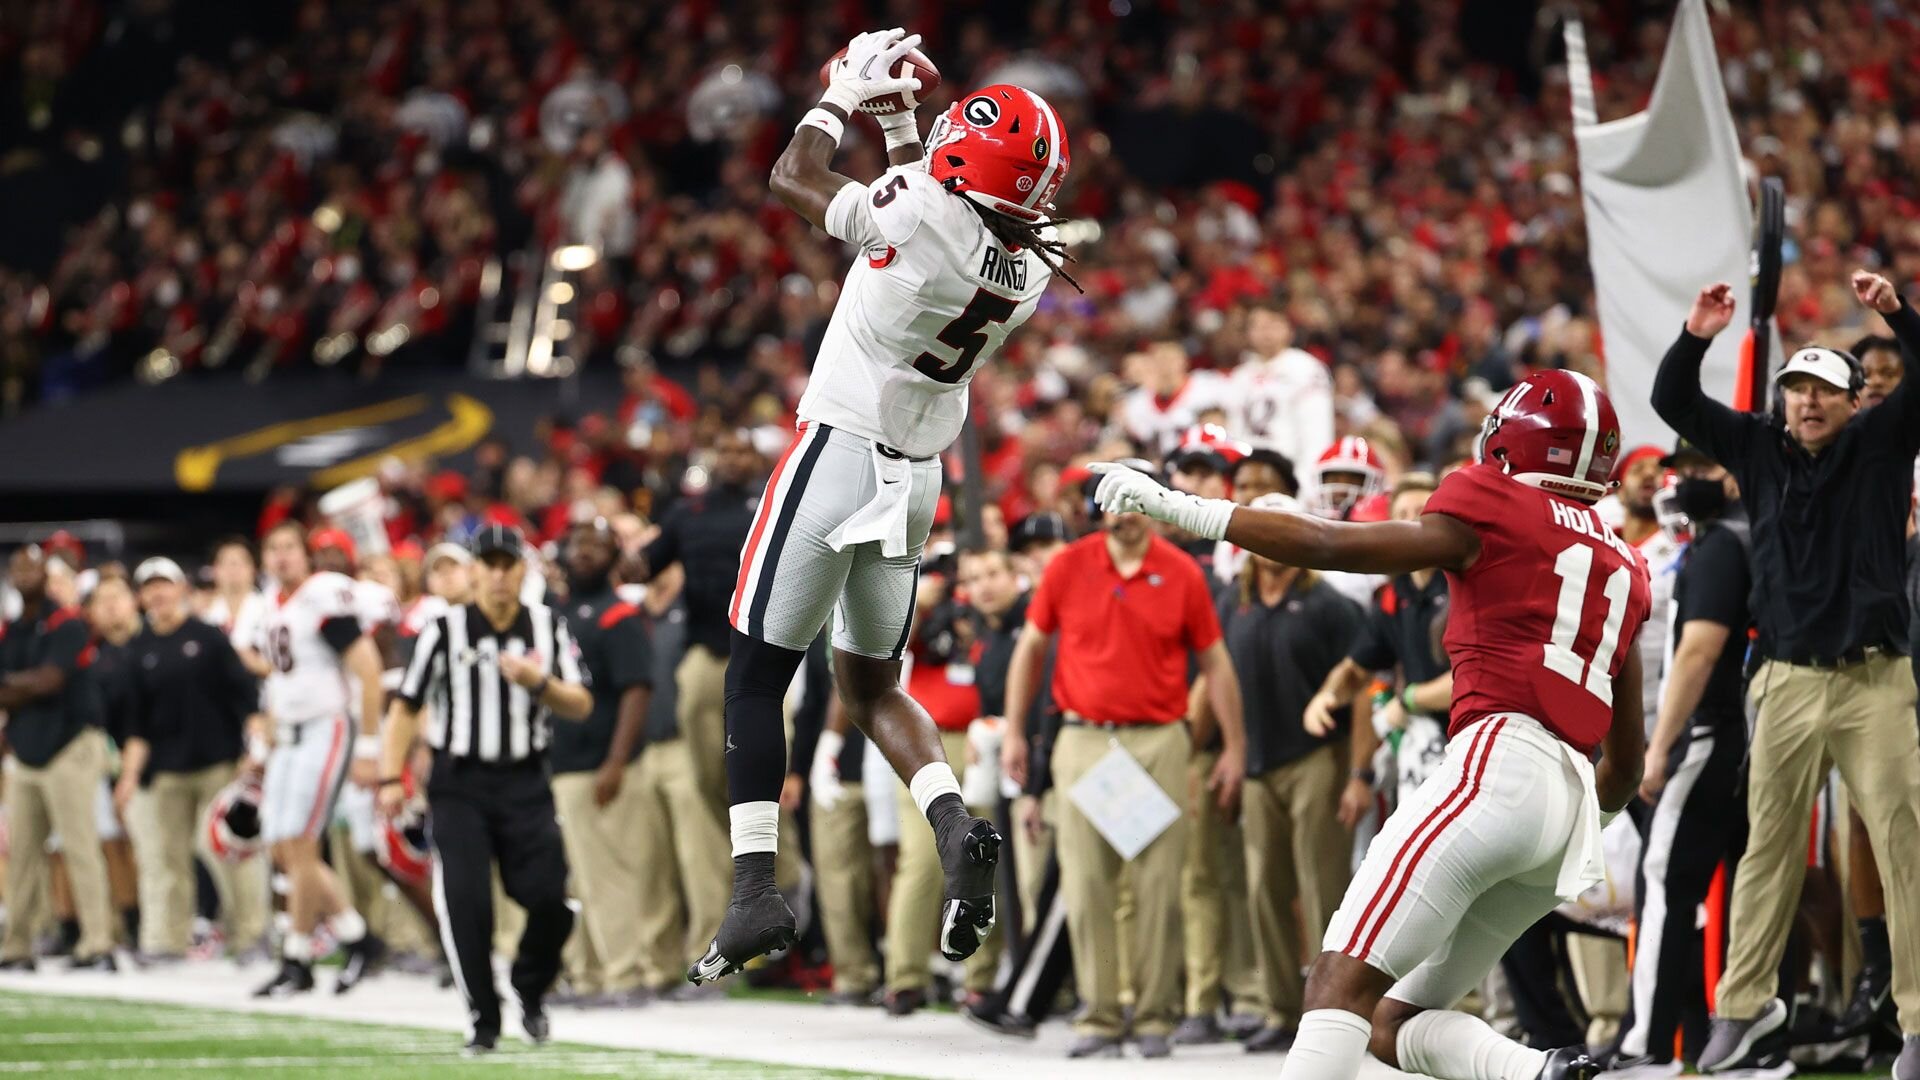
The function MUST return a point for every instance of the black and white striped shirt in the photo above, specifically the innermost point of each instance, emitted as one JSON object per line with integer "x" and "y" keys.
{"x": 475, "y": 711}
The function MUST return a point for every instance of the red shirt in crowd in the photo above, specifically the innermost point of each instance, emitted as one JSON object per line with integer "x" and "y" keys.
{"x": 1124, "y": 642}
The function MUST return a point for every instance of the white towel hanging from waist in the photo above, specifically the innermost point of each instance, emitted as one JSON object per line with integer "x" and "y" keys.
{"x": 884, "y": 517}
{"x": 1585, "y": 863}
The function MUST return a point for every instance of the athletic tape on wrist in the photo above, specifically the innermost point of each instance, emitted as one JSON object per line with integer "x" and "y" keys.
{"x": 824, "y": 121}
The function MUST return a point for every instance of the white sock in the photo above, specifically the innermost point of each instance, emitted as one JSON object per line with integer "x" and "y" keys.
{"x": 1331, "y": 1046}
{"x": 932, "y": 781}
{"x": 348, "y": 927}
{"x": 756, "y": 827}
{"x": 297, "y": 947}
{"x": 1451, "y": 1045}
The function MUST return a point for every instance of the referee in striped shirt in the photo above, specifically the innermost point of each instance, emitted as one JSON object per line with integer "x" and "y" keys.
{"x": 490, "y": 674}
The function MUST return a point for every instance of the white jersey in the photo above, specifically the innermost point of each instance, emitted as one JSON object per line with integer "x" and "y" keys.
{"x": 931, "y": 297}
{"x": 241, "y": 623}
{"x": 1155, "y": 424}
{"x": 375, "y": 605}
{"x": 307, "y": 680}
{"x": 1283, "y": 403}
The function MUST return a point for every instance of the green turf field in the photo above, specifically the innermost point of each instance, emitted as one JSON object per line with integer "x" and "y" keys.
{"x": 87, "y": 1037}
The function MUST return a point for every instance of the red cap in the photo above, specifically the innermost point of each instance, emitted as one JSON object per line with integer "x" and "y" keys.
{"x": 62, "y": 540}
{"x": 448, "y": 486}
{"x": 1627, "y": 459}
{"x": 331, "y": 537}
{"x": 409, "y": 550}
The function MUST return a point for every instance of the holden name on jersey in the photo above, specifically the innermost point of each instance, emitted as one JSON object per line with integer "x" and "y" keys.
{"x": 1584, "y": 521}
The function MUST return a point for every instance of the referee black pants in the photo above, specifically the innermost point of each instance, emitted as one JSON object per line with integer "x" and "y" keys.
{"x": 1700, "y": 819}
{"x": 480, "y": 814}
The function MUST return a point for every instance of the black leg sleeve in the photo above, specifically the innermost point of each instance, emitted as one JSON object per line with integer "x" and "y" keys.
{"x": 533, "y": 871}
{"x": 758, "y": 675}
{"x": 463, "y": 895}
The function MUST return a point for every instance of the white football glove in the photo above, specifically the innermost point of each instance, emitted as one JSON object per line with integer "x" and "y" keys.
{"x": 1124, "y": 490}
{"x": 866, "y": 72}
{"x": 824, "y": 775}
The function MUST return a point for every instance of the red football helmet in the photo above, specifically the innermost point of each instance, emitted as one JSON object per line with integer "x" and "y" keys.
{"x": 233, "y": 821}
{"x": 1353, "y": 455}
{"x": 1210, "y": 442}
{"x": 1003, "y": 147}
{"x": 401, "y": 844}
{"x": 1556, "y": 431}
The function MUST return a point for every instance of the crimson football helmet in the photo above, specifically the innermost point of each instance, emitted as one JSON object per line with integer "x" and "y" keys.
{"x": 1556, "y": 431}
{"x": 1353, "y": 455}
{"x": 401, "y": 844}
{"x": 233, "y": 821}
{"x": 1003, "y": 147}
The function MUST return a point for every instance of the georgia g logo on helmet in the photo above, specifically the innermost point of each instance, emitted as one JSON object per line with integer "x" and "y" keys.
{"x": 981, "y": 111}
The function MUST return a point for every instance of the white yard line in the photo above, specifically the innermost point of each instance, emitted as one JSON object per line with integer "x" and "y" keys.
{"x": 938, "y": 1046}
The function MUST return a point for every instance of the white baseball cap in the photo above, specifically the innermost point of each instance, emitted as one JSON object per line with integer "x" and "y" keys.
{"x": 446, "y": 550}
{"x": 1828, "y": 365}
{"x": 159, "y": 568}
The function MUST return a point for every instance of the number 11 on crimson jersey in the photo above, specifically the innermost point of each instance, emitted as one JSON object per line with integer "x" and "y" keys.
{"x": 1574, "y": 566}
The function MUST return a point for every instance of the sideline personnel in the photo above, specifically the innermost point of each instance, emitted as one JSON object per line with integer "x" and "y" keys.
{"x": 493, "y": 672}
{"x": 1828, "y": 497}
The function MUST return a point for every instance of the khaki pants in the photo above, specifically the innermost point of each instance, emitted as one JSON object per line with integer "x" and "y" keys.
{"x": 702, "y": 684}
{"x": 1092, "y": 876}
{"x": 165, "y": 823}
{"x": 913, "y": 912}
{"x": 606, "y": 867}
{"x": 687, "y": 866}
{"x": 843, "y": 881}
{"x": 1213, "y": 904}
{"x": 1296, "y": 849}
{"x": 59, "y": 797}
{"x": 1861, "y": 718}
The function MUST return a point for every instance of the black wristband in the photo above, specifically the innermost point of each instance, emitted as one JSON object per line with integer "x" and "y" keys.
{"x": 1365, "y": 775}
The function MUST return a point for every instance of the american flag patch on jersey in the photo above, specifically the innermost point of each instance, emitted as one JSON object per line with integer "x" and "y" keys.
{"x": 1559, "y": 456}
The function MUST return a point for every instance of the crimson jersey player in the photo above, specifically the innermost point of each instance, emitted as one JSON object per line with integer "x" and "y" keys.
{"x": 1546, "y": 604}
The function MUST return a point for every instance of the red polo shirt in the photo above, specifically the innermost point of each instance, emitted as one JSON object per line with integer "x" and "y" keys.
{"x": 1124, "y": 642}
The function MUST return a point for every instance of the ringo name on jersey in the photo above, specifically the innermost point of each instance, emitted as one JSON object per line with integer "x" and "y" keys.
{"x": 1583, "y": 521}
{"x": 1005, "y": 270}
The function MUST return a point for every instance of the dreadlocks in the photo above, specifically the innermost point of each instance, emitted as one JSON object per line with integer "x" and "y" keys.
{"x": 1014, "y": 233}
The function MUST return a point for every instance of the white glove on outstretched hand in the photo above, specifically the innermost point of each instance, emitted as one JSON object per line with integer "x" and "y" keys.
{"x": 1124, "y": 490}
{"x": 866, "y": 72}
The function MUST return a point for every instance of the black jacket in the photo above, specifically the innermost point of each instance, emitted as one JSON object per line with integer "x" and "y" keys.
{"x": 188, "y": 695}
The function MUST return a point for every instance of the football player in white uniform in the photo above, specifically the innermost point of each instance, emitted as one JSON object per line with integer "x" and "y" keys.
{"x": 955, "y": 248}
{"x": 1282, "y": 396}
{"x": 314, "y": 648}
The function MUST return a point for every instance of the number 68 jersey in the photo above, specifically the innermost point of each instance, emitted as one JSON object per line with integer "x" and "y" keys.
{"x": 1543, "y": 619}
{"x": 931, "y": 296}
{"x": 301, "y": 634}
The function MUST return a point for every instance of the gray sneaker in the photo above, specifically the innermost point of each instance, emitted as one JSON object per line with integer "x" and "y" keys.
{"x": 1907, "y": 1067}
{"x": 1095, "y": 1046}
{"x": 1731, "y": 1043}
{"x": 1198, "y": 1031}
{"x": 1153, "y": 1046}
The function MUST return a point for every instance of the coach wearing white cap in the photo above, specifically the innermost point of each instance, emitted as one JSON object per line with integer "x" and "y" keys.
{"x": 1827, "y": 487}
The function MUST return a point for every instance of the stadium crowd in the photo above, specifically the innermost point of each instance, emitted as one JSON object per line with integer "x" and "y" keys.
{"x": 1372, "y": 184}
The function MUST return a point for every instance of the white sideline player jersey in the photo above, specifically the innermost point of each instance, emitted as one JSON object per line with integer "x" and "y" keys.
{"x": 1283, "y": 403}
{"x": 931, "y": 296}
{"x": 1156, "y": 424}
{"x": 375, "y": 605}
{"x": 307, "y": 680}
{"x": 243, "y": 625}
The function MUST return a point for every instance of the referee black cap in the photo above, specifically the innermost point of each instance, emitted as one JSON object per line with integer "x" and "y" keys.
{"x": 494, "y": 539}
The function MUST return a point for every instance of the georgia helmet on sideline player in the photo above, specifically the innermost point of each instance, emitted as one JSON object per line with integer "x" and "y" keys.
{"x": 1557, "y": 432}
{"x": 233, "y": 821}
{"x": 1350, "y": 456}
{"x": 401, "y": 842}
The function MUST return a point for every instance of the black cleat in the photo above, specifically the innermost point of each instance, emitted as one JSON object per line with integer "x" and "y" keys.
{"x": 1569, "y": 1063}
{"x": 1872, "y": 1001}
{"x": 754, "y": 926}
{"x": 293, "y": 978}
{"x": 19, "y": 964}
{"x": 481, "y": 1043}
{"x": 102, "y": 962}
{"x": 967, "y": 915}
{"x": 363, "y": 959}
{"x": 539, "y": 1029}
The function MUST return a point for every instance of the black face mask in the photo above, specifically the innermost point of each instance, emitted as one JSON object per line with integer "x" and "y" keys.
{"x": 1699, "y": 498}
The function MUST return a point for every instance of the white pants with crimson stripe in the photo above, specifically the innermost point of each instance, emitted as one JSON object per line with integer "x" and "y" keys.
{"x": 1466, "y": 864}
{"x": 792, "y": 574}
{"x": 305, "y": 773}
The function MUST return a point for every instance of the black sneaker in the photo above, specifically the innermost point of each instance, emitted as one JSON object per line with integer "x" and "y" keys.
{"x": 753, "y": 926}
{"x": 1569, "y": 1063}
{"x": 539, "y": 1029}
{"x": 293, "y": 978}
{"x": 905, "y": 1002}
{"x": 1639, "y": 1067}
{"x": 363, "y": 959}
{"x": 966, "y": 915}
{"x": 481, "y": 1042}
{"x": 1872, "y": 1000}
{"x": 101, "y": 962}
{"x": 21, "y": 964}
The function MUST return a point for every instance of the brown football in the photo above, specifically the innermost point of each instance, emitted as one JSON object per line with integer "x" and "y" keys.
{"x": 914, "y": 64}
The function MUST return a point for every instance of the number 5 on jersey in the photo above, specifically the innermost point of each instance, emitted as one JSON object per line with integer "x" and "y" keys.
{"x": 965, "y": 334}
{"x": 1574, "y": 566}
